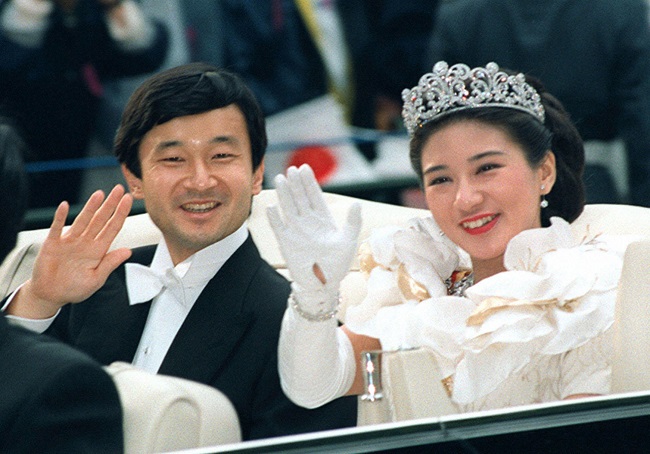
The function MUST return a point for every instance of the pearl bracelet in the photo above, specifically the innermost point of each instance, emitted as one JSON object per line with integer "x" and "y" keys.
{"x": 320, "y": 316}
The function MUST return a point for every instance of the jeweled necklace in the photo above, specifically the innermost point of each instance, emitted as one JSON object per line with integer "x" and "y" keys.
{"x": 459, "y": 281}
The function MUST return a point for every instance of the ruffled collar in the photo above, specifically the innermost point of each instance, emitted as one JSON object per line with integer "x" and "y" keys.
{"x": 556, "y": 294}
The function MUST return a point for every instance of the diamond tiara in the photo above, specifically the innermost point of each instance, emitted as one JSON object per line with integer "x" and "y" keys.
{"x": 449, "y": 89}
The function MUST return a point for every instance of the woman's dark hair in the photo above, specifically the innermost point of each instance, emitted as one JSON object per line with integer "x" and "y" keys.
{"x": 13, "y": 186}
{"x": 558, "y": 134}
{"x": 181, "y": 91}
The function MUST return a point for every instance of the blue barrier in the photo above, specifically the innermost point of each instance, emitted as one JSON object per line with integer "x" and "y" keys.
{"x": 60, "y": 165}
{"x": 360, "y": 136}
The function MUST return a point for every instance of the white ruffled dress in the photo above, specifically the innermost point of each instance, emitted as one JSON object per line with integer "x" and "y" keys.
{"x": 538, "y": 332}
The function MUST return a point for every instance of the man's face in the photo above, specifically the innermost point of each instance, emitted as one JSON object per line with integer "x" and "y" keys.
{"x": 197, "y": 179}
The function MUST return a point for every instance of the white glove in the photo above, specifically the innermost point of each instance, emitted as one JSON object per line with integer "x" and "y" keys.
{"x": 316, "y": 361}
{"x": 309, "y": 238}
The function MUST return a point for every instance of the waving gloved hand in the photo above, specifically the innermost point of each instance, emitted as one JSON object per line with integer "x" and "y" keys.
{"x": 317, "y": 251}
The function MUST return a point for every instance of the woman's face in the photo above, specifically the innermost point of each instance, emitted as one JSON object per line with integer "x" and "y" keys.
{"x": 481, "y": 189}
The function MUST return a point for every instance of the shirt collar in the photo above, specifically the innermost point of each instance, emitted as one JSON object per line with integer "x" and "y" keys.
{"x": 194, "y": 271}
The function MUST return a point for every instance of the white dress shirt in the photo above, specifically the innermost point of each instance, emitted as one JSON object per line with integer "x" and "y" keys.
{"x": 182, "y": 286}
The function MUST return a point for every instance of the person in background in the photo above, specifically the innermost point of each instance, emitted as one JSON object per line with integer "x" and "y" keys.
{"x": 515, "y": 310}
{"x": 202, "y": 304}
{"x": 290, "y": 52}
{"x": 56, "y": 55}
{"x": 54, "y": 399}
{"x": 602, "y": 77}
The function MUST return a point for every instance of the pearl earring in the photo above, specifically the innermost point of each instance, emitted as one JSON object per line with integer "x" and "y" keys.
{"x": 544, "y": 202}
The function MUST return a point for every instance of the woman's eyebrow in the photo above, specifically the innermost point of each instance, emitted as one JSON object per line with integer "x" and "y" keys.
{"x": 485, "y": 154}
{"x": 434, "y": 169}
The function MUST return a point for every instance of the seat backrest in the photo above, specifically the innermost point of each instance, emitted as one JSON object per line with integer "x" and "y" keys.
{"x": 138, "y": 230}
{"x": 164, "y": 413}
{"x": 631, "y": 367}
{"x": 410, "y": 388}
{"x": 612, "y": 219}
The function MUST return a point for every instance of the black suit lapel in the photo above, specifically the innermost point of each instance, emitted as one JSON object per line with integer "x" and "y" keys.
{"x": 106, "y": 326}
{"x": 217, "y": 321}
{"x": 4, "y": 327}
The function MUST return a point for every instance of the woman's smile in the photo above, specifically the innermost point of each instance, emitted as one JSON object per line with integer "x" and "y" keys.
{"x": 480, "y": 224}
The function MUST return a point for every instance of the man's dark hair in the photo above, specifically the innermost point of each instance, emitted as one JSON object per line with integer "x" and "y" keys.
{"x": 181, "y": 91}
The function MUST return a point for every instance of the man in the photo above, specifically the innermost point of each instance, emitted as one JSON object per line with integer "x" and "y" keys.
{"x": 206, "y": 307}
{"x": 53, "y": 399}
{"x": 364, "y": 51}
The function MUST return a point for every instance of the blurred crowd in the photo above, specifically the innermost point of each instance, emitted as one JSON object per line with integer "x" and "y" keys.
{"x": 68, "y": 67}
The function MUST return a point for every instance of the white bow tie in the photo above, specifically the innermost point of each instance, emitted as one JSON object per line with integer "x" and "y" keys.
{"x": 144, "y": 284}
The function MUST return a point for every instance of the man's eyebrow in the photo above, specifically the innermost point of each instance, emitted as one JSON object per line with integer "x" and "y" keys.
{"x": 222, "y": 139}
{"x": 168, "y": 144}
{"x": 165, "y": 144}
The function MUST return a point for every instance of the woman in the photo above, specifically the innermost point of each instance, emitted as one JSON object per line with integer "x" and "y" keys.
{"x": 514, "y": 312}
